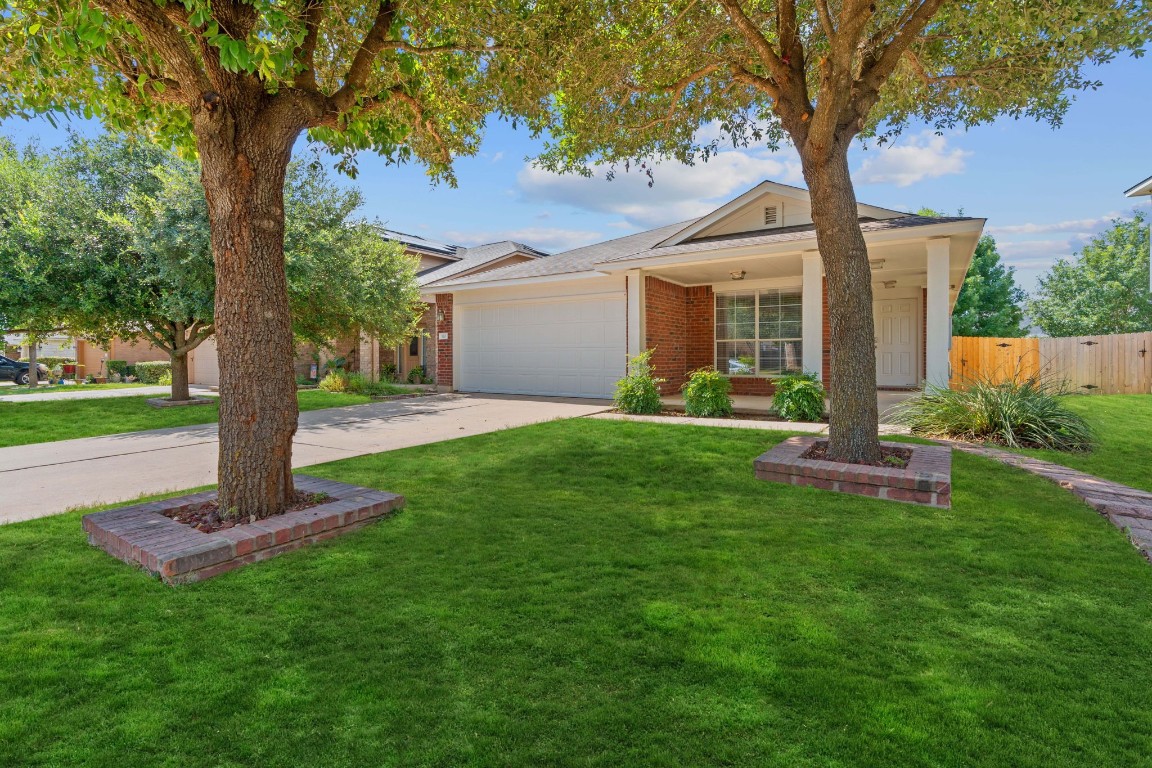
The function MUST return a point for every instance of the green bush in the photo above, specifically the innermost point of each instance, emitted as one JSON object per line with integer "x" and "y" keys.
{"x": 389, "y": 372}
{"x": 799, "y": 397}
{"x": 118, "y": 366}
{"x": 151, "y": 372}
{"x": 706, "y": 394}
{"x": 335, "y": 381}
{"x": 50, "y": 361}
{"x": 1020, "y": 413}
{"x": 165, "y": 379}
{"x": 639, "y": 391}
{"x": 416, "y": 375}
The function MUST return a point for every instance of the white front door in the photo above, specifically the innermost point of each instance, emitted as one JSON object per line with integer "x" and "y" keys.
{"x": 897, "y": 342}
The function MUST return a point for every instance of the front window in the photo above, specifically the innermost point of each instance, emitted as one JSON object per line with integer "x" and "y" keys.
{"x": 758, "y": 332}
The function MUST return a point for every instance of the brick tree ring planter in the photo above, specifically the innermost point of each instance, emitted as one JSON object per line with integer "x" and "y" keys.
{"x": 164, "y": 402}
{"x": 142, "y": 535}
{"x": 926, "y": 480}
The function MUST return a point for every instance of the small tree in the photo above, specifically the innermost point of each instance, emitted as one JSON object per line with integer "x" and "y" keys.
{"x": 239, "y": 81}
{"x": 1103, "y": 289}
{"x": 650, "y": 73}
{"x": 989, "y": 301}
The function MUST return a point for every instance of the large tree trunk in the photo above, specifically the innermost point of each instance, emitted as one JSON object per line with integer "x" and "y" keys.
{"x": 854, "y": 423}
{"x": 180, "y": 376}
{"x": 244, "y": 155}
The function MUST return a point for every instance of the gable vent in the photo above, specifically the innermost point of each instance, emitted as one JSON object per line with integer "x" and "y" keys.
{"x": 771, "y": 214}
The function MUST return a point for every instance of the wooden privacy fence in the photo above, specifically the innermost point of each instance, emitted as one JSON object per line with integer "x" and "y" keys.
{"x": 1103, "y": 365}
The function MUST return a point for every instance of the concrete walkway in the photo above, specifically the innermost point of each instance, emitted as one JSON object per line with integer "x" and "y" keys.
{"x": 94, "y": 394}
{"x": 49, "y": 478}
{"x": 738, "y": 423}
{"x": 1129, "y": 509}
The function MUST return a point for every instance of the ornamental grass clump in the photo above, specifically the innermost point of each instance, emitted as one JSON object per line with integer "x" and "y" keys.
{"x": 638, "y": 393}
{"x": 706, "y": 394}
{"x": 799, "y": 397}
{"x": 1018, "y": 413}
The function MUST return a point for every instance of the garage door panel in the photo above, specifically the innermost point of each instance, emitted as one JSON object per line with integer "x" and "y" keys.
{"x": 570, "y": 347}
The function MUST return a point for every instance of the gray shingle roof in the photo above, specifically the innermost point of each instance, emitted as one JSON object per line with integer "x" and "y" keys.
{"x": 643, "y": 245}
{"x": 471, "y": 258}
{"x": 421, "y": 244}
{"x": 576, "y": 260}
{"x": 782, "y": 235}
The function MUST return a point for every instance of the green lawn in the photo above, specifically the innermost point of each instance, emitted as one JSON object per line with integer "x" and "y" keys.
{"x": 43, "y": 388}
{"x": 1124, "y": 425}
{"x": 600, "y": 594}
{"x": 49, "y": 420}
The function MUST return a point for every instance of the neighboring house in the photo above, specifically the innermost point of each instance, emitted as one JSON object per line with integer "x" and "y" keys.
{"x": 440, "y": 262}
{"x": 741, "y": 288}
{"x": 1144, "y": 189}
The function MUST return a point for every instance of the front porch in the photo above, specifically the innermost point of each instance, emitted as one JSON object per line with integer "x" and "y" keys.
{"x": 755, "y": 316}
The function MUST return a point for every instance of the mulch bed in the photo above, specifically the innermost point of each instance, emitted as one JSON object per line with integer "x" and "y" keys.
{"x": 205, "y": 517}
{"x": 737, "y": 416}
{"x": 897, "y": 458}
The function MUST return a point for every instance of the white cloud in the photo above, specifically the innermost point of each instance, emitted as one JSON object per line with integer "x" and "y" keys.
{"x": 497, "y": 157}
{"x": 925, "y": 156}
{"x": 1079, "y": 226}
{"x": 678, "y": 191}
{"x": 551, "y": 239}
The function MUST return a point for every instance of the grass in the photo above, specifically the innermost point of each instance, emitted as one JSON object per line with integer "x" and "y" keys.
{"x": 42, "y": 388}
{"x": 51, "y": 420}
{"x": 600, "y": 594}
{"x": 1123, "y": 425}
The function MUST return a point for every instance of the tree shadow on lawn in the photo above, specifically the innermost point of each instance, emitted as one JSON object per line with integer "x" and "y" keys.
{"x": 600, "y": 592}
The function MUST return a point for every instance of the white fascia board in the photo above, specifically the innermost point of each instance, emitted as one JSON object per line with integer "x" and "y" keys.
{"x": 450, "y": 288}
{"x": 883, "y": 237}
{"x": 1143, "y": 188}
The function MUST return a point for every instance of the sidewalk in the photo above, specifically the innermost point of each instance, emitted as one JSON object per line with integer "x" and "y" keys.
{"x": 48, "y": 478}
{"x": 92, "y": 394}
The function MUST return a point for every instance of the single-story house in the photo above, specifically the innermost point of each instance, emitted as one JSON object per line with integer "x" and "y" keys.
{"x": 1144, "y": 189}
{"x": 741, "y": 289}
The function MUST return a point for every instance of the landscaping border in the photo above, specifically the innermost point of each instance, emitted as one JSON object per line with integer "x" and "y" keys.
{"x": 143, "y": 535}
{"x": 927, "y": 480}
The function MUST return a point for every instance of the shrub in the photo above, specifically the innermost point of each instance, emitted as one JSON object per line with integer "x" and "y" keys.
{"x": 639, "y": 391}
{"x": 50, "y": 361}
{"x": 1020, "y": 413}
{"x": 706, "y": 393}
{"x": 416, "y": 375}
{"x": 389, "y": 372}
{"x": 152, "y": 371}
{"x": 334, "y": 381}
{"x": 118, "y": 367}
{"x": 799, "y": 397}
{"x": 165, "y": 379}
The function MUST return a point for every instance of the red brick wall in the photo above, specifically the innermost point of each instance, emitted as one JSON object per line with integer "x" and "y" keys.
{"x": 665, "y": 316}
{"x": 444, "y": 345}
{"x": 700, "y": 327}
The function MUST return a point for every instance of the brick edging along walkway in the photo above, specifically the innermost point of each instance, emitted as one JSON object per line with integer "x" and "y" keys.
{"x": 1129, "y": 509}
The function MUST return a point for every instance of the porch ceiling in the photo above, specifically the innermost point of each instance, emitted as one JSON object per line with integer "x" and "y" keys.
{"x": 905, "y": 263}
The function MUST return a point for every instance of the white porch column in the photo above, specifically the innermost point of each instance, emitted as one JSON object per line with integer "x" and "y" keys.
{"x": 635, "y": 313}
{"x": 938, "y": 331}
{"x": 812, "y": 314}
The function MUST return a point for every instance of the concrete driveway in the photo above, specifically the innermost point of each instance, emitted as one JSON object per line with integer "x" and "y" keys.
{"x": 48, "y": 478}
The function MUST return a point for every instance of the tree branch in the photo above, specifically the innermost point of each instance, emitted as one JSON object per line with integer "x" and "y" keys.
{"x": 305, "y": 53}
{"x": 883, "y": 65}
{"x": 755, "y": 38}
{"x": 361, "y": 67}
{"x": 165, "y": 36}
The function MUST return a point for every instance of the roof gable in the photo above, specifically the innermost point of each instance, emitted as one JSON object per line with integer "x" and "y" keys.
{"x": 768, "y": 206}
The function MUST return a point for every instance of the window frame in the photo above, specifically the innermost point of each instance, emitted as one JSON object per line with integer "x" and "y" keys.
{"x": 756, "y": 373}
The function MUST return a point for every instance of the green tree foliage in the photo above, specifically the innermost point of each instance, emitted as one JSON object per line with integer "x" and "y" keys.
{"x": 649, "y": 74}
{"x": 990, "y": 301}
{"x": 1103, "y": 289}
{"x": 113, "y": 236}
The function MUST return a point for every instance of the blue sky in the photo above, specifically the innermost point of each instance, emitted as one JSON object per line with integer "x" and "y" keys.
{"x": 1044, "y": 191}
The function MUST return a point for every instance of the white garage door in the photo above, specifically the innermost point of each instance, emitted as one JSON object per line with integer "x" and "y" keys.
{"x": 206, "y": 364}
{"x": 563, "y": 347}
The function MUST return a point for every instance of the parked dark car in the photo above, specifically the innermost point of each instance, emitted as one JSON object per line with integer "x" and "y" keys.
{"x": 14, "y": 370}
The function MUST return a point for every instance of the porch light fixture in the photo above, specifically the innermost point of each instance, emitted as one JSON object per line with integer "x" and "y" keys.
{"x": 876, "y": 263}
{"x": 889, "y": 283}
{"x": 737, "y": 274}
{"x": 439, "y": 315}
